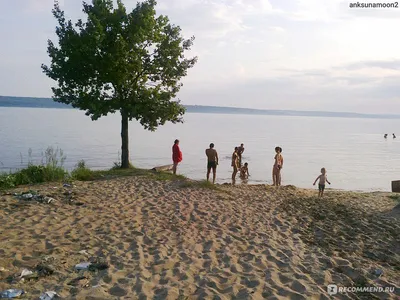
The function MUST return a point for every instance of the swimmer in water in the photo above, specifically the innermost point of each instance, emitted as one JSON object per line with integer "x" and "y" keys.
{"x": 244, "y": 171}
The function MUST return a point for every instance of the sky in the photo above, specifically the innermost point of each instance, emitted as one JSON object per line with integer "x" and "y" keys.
{"x": 319, "y": 55}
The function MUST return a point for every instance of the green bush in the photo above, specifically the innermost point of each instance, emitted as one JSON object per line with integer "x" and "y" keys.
{"x": 81, "y": 172}
{"x": 51, "y": 169}
{"x": 33, "y": 174}
{"x": 7, "y": 181}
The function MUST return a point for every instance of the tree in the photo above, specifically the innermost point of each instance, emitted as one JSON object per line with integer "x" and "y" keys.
{"x": 119, "y": 61}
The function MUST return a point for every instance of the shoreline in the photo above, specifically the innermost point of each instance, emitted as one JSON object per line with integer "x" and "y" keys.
{"x": 176, "y": 238}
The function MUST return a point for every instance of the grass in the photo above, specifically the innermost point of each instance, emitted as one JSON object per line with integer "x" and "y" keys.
{"x": 395, "y": 197}
{"x": 81, "y": 172}
{"x": 51, "y": 169}
{"x": 199, "y": 184}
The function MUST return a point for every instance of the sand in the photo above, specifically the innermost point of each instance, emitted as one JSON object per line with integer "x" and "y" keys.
{"x": 173, "y": 240}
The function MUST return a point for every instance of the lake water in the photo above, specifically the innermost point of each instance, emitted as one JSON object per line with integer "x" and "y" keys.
{"x": 353, "y": 151}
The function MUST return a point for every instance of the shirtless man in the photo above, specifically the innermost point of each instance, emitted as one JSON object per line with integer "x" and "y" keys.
{"x": 240, "y": 152}
{"x": 212, "y": 161}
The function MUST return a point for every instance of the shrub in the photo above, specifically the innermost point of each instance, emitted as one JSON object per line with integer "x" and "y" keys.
{"x": 7, "y": 181}
{"x": 51, "y": 169}
{"x": 81, "y": 172}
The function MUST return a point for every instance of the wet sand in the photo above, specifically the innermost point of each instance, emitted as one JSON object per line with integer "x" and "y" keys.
{"x": 174, "y": 240}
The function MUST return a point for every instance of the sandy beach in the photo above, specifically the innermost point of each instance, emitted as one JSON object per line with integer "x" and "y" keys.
{"x": 180, "y": 240}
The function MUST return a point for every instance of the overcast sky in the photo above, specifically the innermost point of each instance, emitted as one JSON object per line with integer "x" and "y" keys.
{"x": 270, "y": 54}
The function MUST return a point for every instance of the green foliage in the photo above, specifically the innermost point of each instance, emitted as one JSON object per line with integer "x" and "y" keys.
{"x": 119, "y": 61}
{"x": 164, "y": 176}
{"x": 51, "y": 169}
{"x": 395, "y": 197}
{"x": 199, "y": 184}
{"x": 81, "y": 172}
{"x": 7, "y": 181}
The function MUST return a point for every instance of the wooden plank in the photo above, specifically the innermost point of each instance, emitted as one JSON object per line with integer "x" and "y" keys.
{"x": 163, "y": 168}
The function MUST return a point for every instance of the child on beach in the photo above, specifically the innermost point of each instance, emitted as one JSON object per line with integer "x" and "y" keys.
{"x": 244, "y": 171}
{"x": 321, "y": 184}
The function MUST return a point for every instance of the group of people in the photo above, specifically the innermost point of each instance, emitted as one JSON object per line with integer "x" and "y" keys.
{"x": 386, "y": 135}
{"x": 236, "y": 164}
{"x": 243, "y": 169}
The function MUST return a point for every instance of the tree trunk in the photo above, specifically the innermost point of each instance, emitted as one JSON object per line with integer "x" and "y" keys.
{"x": 125, "y": 141}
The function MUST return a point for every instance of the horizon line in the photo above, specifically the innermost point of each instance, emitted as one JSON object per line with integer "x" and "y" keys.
{"x": 234, "y": 108}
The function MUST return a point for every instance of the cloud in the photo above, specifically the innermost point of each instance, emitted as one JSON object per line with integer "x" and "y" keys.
{"x": 299, "y": 54}
{"x": 40, "y": 6}
{"x": 311, "y": 89}
{"x": 393, "y": 64}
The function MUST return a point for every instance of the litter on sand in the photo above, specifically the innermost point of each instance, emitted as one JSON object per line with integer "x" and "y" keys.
{"x": 92, "y": 266}
{"x": 28, "y": 274}
{"x": 11, "y": 293}
{"x": 83, "y": 266}
{"x": 48, "y": 295}
{"x": 33, "y": 196}
{"x": 25, "y": 273}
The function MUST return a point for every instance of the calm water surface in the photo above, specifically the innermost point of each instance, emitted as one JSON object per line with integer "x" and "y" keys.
{"x": 353, "y": 151}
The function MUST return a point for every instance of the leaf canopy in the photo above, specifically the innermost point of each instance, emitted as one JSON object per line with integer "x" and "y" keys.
{"x": 119, "y": 61}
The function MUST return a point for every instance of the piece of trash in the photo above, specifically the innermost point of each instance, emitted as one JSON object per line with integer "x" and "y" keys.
{"x": 25, "y": 273}
{"x": 75, "y": 281}
{"x": 33, "y": 196}
{"x": 49, "y": 295}
{"x": 98, "y": 266}
{"x": 378, "y": 272}
{"x": 11, "y": 293}
{"x": 48, "y": 199}
{"x": 44, "y": 270}
{"x": 67, "y": 185}
{"x": 2, "y": 269}
{"x": 83, "y": 266}
{"x": 84, "y": 252}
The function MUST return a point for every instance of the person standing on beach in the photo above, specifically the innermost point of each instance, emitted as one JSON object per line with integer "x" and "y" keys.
{"x": 176, "y": 156}
{"x": 212, "y": 162}
{"x": 235, "y": 163}
{"x": 278, "y": 165}
{"x": 240, "y": 152}
{"x": 321, "y": 184}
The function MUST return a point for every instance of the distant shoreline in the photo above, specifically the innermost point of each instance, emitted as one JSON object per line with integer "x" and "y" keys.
{"x": 31, "y": 102}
